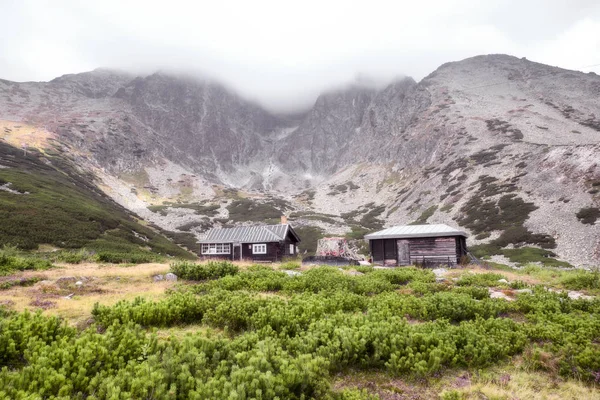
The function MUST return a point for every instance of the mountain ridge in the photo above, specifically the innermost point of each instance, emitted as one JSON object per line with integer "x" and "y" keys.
{"x": 410, "y": 146}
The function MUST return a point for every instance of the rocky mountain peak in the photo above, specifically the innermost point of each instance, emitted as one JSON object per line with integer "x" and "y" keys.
{"x": 478, "y": 134}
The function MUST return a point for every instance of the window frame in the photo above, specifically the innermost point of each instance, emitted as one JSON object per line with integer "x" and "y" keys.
{"x": 216, "y": 248}
{"x": 259, "y": 248}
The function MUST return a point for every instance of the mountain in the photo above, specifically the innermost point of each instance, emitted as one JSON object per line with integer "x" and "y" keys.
{"x": 506, "y": 148}
{"x": 46, "y": 200}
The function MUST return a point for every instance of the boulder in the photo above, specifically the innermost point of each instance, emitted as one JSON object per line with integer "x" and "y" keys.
{"x": 528, "y": 291}
{"x": 171, "y": 277}
{"x": 158, "y": 278}
{"x": 439, "y": 272}
{"x": 502, "y": 281}
{"x": 354, "y": 273}
{"x": 292, "y": 273}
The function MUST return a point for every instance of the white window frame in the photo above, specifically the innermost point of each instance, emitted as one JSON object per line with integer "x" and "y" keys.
{"x": 259, "y": 248}
{"x": 216, "y": 248}
{"x": 292, "y": 249}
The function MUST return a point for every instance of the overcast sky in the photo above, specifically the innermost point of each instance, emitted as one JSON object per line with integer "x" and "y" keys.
{"x": 281, "y": 52}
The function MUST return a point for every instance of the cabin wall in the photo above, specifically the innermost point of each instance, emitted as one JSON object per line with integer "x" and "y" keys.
{"x": 428, "y": 250}
{"x": 434, "y": 249}
{"x": 275, "y": 251}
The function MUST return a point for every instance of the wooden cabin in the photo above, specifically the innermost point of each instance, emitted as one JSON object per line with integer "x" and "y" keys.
{"x": 429, "y": 245}
{"x": 258, "y": 243}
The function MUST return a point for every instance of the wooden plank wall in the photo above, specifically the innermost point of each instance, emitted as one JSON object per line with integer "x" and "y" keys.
{"x": 438, "y": 248}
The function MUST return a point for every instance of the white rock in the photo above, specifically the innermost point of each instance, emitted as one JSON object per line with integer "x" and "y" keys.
{"x": 499, "y": 295}
{"x": 528, "y": 291}
{"x": 439, "y": 272}
{"x": 502, "y": 280}
{"x": 574, "y": 295}
{"x": 158, "y": 278}
{"x": 79, "y": 283}
{"x": 292, "y": 273}
{"x": 171, "y": 277}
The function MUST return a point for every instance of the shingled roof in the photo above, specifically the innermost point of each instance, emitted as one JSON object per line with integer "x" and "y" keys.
{"x": 250, "y": 234}
{"x": 415, "y": 231}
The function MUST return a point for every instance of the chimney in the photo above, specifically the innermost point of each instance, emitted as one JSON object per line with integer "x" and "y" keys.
{"x": 283, "y": 220}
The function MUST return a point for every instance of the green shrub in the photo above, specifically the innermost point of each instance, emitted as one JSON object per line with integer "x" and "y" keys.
{"x": 487, "y": 279}
{"x": 582, "y": 280}
{"x": 200, "y": 272}
{"x": 588, "y": 215}
{"x": 12, "y": 263}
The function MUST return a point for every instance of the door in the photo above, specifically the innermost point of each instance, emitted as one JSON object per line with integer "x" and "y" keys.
{"x": 403, "y": 252}
{"x": 237, "y": 251}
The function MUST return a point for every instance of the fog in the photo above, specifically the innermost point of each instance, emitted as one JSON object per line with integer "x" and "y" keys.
{"x": 283, "y": 54}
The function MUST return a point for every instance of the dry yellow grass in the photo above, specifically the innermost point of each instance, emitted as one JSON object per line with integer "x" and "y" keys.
{"x": 18, "y": 133}
{"x": 530, "y": 385}
{"x": 510, "y": 276}
{"x": 510, "y": 382}
{"x": 104, "y": 284}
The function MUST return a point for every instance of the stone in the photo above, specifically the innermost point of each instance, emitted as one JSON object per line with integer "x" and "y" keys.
{"x": 499, "y": 295}
{"x": 355, "y": 273}
{"x": 171, "y": 277}
{"x": 439, "y": 271}
{"x": 502, "y": 281}
{"x": 66, "y": 279}
{"x": 574, "y": 295}
{"x": 292, "y": 273}
{"x": 528, "y": 291}
{"x": 158, "y": 278}
{"x": 79, "y": 283}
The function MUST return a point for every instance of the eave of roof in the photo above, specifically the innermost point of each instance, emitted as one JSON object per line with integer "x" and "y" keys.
{"x": 415, "y": 231}
{"x": 249, "y": 234}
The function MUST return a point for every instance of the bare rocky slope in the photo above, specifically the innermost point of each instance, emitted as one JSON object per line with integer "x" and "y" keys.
{"x": 506, "y": 148}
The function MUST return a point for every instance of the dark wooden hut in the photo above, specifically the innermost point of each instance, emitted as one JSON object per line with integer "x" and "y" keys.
{"x": 417, "y": 244}
{"x": 258, "y": 243}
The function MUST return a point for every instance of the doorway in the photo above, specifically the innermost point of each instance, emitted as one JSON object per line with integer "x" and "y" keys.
{"x": 403, "y": 252}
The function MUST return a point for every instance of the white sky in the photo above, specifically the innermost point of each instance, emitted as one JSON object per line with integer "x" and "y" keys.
{"x": 284, "y": 53}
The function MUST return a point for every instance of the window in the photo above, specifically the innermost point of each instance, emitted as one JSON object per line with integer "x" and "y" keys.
{"x": 259, "y": 249}
{"x": 291, "y": 249}
{"x": 216, "y": 248}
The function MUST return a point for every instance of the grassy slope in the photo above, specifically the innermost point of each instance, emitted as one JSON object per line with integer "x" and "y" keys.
{"x": 66, "y": 210}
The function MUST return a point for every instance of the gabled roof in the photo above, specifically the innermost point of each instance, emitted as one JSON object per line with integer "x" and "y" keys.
{"x": 415, "y": 231}
{"x": 250, "y": 234}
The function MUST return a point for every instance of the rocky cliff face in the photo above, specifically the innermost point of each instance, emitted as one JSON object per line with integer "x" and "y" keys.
{"x": 440, "y": 150}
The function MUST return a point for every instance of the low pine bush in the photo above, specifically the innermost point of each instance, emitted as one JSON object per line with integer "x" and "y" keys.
{"x": 200, "y": 272}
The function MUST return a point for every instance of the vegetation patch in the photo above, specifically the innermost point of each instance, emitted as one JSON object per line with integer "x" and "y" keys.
{"x": 208, "y": 210}
{"x": 268, "y": 210}
{"x": 588, "y": 215}
{"x": 203, "y": 225}
{"x": 521, "y": 256}
{"x": 268, "y": 335}
{"x": 482, "y": 215}
{"x": 185, "y": 239}
{"x": 314, "y": 216}
{"x": 65, "y": 209}
{"x": 200, "y": 272}
{"x": 496, "y": 125}
{"x": 310, "y": 237}
{"x": 342, "y": 188}
{"x": 425, "y": 216}
{"x": 11, "y": 261}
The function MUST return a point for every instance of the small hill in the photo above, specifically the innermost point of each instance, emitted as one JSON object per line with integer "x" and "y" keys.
{"x": 44, "y": 199}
